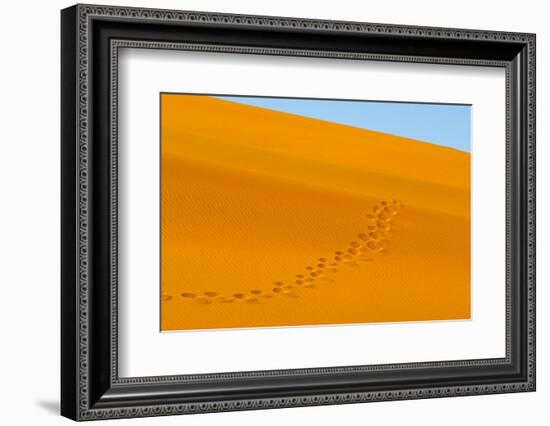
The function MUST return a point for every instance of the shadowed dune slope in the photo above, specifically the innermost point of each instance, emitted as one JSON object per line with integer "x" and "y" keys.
{"x": 274, "y": 219}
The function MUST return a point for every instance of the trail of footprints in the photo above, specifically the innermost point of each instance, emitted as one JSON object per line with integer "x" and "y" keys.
{"x": 372, "y": 242}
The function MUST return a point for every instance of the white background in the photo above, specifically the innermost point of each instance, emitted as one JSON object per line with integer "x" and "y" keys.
{"x": 146, "y": 352}
{"x": 29, "y": 225}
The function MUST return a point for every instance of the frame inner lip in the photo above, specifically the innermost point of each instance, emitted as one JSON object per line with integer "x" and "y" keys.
{"x": 115, "y": 45}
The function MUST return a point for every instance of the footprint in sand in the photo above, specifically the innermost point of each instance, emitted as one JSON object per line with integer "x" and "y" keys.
{"x": 188, "y": 295}
{"x": 373, "y": 241}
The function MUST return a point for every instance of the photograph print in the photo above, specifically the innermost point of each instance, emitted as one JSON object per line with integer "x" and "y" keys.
{"x": 283, "y": 212}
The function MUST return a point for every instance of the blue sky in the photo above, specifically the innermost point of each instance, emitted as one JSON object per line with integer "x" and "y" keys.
{"x": 442, "y": 124}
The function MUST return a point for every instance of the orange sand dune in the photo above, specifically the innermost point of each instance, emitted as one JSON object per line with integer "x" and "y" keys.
{"x": 273, "y": 219}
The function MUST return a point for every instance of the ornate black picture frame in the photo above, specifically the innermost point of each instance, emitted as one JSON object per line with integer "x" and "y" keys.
{"x": 91, "y": 387}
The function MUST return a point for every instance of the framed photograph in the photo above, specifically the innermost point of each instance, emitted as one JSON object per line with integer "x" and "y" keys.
{"x": 263, "y": 212}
